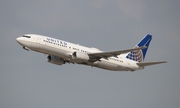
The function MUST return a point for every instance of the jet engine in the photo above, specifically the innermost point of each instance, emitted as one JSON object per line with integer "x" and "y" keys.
{"x": 79, "y": 57}
{"x": 55, "y": 60}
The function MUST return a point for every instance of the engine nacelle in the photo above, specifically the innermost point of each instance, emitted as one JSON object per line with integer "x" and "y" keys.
{"x": 55, "y": 60}
{"x": 79, "y": 57}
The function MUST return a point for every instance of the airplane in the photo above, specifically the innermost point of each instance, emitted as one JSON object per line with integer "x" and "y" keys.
{"x": 60, "y": 52}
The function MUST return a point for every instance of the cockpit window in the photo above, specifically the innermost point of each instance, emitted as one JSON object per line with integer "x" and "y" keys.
{"x": 27, "y": 36}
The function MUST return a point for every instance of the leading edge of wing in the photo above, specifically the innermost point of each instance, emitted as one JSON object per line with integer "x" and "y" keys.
{"x": 113, "y": 53}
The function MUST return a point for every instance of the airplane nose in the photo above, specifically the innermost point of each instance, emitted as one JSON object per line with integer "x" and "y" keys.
{"x": 19, "y": 40}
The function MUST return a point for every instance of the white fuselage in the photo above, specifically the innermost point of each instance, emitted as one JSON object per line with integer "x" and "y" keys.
{"x": 64, "y": 50}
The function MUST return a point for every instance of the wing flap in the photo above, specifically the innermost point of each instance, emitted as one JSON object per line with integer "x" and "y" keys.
{"x": 150, "y": 63}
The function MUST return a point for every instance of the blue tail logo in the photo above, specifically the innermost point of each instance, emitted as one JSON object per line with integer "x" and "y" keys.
{"x": 139, "y": 55}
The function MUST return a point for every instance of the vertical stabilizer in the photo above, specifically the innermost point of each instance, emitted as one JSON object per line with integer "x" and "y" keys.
{"x": 139, "y": 55}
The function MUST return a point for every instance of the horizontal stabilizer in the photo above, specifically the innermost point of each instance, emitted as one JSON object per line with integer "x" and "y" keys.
{"x": 142, "y": 64}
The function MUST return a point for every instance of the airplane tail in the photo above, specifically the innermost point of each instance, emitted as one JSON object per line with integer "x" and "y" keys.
{"x": 139, "y": 55}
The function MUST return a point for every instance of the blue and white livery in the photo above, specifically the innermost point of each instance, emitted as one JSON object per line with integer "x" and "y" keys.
{"x": 139, "y": 55}
{"x": 60, "y": 52}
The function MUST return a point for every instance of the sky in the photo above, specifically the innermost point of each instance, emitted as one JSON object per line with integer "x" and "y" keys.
{"x": 27, "y": 80}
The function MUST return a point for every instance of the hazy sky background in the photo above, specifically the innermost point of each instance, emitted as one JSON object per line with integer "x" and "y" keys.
{"x": 28, "y": 81}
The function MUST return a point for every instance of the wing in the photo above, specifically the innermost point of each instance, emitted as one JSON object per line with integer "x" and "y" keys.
{"x": 142, "y": 64}
{"x": 105, "y": 55}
